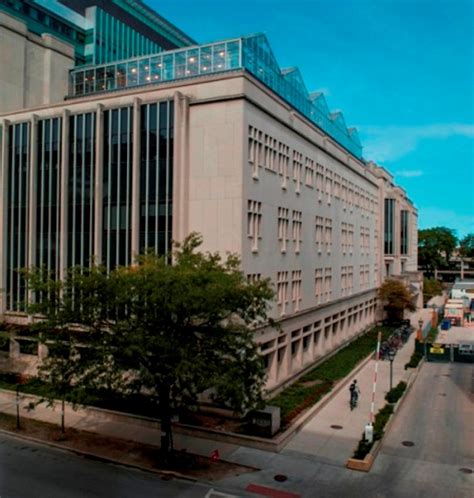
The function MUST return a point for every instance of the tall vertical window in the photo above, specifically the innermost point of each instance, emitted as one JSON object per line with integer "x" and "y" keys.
{"x": 296, "y": 289}
{"x": 389, "y": 228}
{"x": 283, "y": 223}
{"x": 81, "y": 175}
{"x": 117, "y": 187}
{"x": 254, "y": 222}
{"x": 156, "y": 177}
{"x": 17, "y": 214}
{"x": 297, "y": 229}
{"x": 48, "y": 182}
{"x": 404, "y": 231}
{"x": 282, "y": 291}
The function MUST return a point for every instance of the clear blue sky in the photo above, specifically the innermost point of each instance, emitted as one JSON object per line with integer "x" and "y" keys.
{"x": 402, "y": 71}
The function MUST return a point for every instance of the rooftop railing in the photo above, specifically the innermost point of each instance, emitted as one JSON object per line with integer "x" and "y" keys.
{"x": 252, "y": 53}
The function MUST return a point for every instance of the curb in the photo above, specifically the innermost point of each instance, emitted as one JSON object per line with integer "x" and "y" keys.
{"x": 94, "y": 456}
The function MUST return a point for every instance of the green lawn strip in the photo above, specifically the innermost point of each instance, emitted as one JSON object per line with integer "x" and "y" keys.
{"x": 309, "y": 389}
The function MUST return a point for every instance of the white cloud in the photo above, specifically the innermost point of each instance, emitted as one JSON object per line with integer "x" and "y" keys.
{"x": 409, "y": 173}
{"x": 389, "y": 143}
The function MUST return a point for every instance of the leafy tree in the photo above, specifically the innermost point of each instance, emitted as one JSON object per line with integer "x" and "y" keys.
{"x": 435, "y": 246}
{"x": 169, "y": 330}
{"x": 396, "y": 298}
{"x": 72, "y": 330}
{"x": 431, "y": 288}
{"x": 466, "y": 246}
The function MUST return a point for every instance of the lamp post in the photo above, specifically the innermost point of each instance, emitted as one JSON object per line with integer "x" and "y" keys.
{"x": 391, "y": 357}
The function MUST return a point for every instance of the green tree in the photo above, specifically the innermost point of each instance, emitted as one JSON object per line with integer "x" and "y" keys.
{"x": 435, "y": 246}
{"x": 169, "y": 330}
{"x": 466, "y": 246}
{"x": 431, "y": 288}
{"x": 396, "y": 298}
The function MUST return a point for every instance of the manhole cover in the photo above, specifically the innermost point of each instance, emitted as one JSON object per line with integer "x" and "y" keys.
{"x": 408, "y": 443}
{"x": 280, "y": 478}
{"x": 442, "y": 394}
{"x": 466, "y": 471}
{"x": 338, "y": 427}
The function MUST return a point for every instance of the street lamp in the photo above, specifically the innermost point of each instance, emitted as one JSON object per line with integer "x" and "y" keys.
{"x": 391, "y": 357}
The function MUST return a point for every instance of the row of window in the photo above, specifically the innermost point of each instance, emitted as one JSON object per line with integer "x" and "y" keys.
{"x": 323, "y": 231}
{"x": 267, "y": 152}
{"x": 314, "y": 339}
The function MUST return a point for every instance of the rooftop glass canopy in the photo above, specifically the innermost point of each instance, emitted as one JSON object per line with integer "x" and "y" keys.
{"x": 252, "y": 53}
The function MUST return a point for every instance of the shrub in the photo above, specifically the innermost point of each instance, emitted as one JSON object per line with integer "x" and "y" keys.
{"x": 396, "y": 393}
{"x": 414, "y": 360}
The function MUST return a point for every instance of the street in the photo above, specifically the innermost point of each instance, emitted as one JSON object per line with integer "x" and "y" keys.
{"x": 29, "y": 470}
{"x": 436, "y": 417}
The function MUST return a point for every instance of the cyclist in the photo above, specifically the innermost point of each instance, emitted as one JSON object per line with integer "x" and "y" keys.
{"x": 355, "y": 391}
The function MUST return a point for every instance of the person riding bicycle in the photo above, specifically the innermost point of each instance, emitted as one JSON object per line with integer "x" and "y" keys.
{"x": 355, "y": 391}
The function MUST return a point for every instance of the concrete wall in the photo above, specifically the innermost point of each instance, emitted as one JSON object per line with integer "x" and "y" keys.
{"x": 34, "y": 68}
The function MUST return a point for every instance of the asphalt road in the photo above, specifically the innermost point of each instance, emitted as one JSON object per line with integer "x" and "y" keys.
{"x": 437, "y": 417}
{"x": 28, "y": 470}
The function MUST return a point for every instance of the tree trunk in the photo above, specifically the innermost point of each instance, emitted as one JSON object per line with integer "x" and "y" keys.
{"x": 165, "y": 417}
{"x": 63, "y": 429}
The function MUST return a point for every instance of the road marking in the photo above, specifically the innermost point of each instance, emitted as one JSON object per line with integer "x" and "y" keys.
{"x": 272, "y": 493}
{"x": 217, "y": 494}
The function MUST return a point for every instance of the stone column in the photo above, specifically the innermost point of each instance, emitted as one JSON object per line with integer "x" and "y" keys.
{"x": 63, "y": 195}
{"x": 4, "y": 129}
{"x": 180, "y": 226}
{"x": 32, "y": 198}
{"x": 98, "y": 182}
{"x": 136, "y": 180}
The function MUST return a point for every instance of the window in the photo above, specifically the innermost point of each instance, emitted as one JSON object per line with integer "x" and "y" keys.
{"x": 404, "y": 232}
{"x": 318, "y": 285}
{"x": 327, "y": 284}
{"x": 309, "y": 172}
{"x": 296, "y": 289}
{"x": 283, "y": 223}
{"x": 319, "y": 181}
{"x": 253, "y": 277}
{"x": 328, "y": 234}
{"x": 297, "y": 170}
{"x": 283, "y": 164}
{"x": 389, "y": 226}
{"x": 254, "y": 217}
{"x": 319, "y": 226}
{"x": 282, "y": 291}
{"x": 328, "y": 185}
{"x": 297, "y": 228}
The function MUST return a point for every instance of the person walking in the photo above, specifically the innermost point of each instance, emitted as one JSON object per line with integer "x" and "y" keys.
{"x": 354, "y": 393}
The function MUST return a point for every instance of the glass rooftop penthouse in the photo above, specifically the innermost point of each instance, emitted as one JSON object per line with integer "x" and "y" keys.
{"x": 252, "y": 53}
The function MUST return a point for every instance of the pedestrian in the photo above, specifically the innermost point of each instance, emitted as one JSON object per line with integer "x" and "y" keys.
{"x": 354, "y": 393}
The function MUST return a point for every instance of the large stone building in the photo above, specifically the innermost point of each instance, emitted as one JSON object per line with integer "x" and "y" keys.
{"x": 212, "y": 138}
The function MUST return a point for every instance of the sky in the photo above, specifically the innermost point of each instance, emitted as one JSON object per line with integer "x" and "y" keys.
{"x": 402, "y": 72}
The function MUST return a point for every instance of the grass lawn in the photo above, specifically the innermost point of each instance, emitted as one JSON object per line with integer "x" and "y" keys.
{"x": 310, "y": 388}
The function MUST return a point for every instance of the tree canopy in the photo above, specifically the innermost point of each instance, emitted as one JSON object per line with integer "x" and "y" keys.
{"x": 170, "y": 330}
{"x": 466, "y": 246}
{"x": 435, "y": 246}
{"x": 396, "y": 298}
